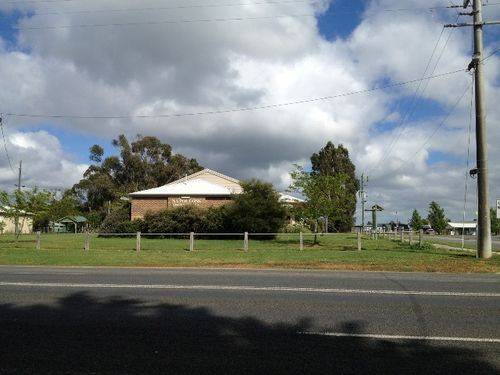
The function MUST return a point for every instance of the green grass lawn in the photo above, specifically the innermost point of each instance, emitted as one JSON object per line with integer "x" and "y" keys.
{"x": 332, "y": 252}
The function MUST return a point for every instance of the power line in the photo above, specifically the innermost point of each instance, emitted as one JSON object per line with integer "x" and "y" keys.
{"x": 163, "y": 22}
{"x": 192, "y": 6}
{"x": 243, "y": 109}
{"x": 200, "y": 20}
{"x": 414, "y": 101}
{"x": 467, "y": 159}
{"x": 491, "y": 54}
{"x": 402, "y": 126}
{"x": 431, "y": 136}
{"x": 5, "y": 142}
{"x": 20, "y": 2}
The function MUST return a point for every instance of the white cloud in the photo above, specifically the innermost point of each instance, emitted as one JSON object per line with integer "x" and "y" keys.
{"x": 45, "y": 164}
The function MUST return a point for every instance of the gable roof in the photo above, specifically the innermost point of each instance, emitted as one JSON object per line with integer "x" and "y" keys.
{"x": 189, "y": 187}
{"x": 73, "y": 219}
{"x": 193, "y": 184}
{"x": 206, "y": 171}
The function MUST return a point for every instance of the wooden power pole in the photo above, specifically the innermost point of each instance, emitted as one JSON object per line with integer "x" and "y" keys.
{"x": 483, "y": 220}
{"x": 16, "y": 219}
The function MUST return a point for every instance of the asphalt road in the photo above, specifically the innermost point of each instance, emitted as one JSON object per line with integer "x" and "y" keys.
{"x": 470, "y": 240}
{"x": 138, "y": 321}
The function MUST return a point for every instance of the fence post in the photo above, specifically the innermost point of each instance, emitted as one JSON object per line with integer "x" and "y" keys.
{"x": 138, "y": 242}
{"x": 38, "y": 235}
{"x": 301, "y": 241}
{"x": 86, "y": 245}
{"x": 402, "y": 235}
{"x": 191, "y": 241}
{"x": 420, "y": 235}
{"x": 410, "y": 237}
{"x": 359, "y": 240}
{"x": 245, "y": 241}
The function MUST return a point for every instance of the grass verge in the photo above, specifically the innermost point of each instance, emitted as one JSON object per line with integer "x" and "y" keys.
{"x": 336, "y": 252}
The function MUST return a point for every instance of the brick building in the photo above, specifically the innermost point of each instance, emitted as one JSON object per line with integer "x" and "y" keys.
{"x": 205, "y": 189}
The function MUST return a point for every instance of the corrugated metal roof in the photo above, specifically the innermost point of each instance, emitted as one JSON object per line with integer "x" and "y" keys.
{"x": 187, "y": 187}
{"x": 286, "y": 198}
{"x": 462, "y": 225}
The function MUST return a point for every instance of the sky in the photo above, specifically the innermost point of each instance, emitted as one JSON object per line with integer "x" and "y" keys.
{"x": 324, "y": 70}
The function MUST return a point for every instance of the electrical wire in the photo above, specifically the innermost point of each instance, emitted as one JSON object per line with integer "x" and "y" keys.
{"x": 467, "y": 159}
{"x": 192, "y": 6}
{"x": 491, "y": 54}
{"x": 2, "y": 120}
{"x": 414, "y": 100}
{"x": 201, "y": 20}
{"x": 431, "y": 136}
{"x": 163, "y": 22}
{"x": 243, "y": 109}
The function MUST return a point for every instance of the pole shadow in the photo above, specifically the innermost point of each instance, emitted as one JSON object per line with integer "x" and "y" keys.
{"x": 82, "y": 334}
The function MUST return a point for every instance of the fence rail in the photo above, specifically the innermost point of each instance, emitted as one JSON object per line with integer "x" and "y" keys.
{"x": 191, "y": 241}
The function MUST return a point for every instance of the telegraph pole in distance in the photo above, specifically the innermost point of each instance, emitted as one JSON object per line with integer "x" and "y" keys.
{"x": 483, "y": 220}
{"x": 19, "y": 176}
{"x": 363, "y": 200}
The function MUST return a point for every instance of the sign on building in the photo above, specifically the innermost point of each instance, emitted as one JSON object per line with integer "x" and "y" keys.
{"x": 498, "y": 208}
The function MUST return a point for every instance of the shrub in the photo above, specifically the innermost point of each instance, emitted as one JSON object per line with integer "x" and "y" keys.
{"x": 176, "y": 220}
{"x": 115, "y": 221}
{"x": 257, "y": 209}
{"x": 217, "y": 219}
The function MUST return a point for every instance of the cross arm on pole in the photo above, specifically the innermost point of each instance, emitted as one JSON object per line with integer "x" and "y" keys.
{"x": 465, "y": 24}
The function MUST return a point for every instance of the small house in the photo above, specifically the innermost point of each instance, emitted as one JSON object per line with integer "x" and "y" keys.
{"x": 456, "y": 229}
{"x": 72, "y": 224}
{"x": 8, "y": 217}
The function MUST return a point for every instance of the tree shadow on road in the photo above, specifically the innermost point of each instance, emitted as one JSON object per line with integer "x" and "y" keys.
{"x": 86, "y": 335}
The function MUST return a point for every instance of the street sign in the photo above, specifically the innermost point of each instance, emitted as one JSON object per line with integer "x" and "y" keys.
{"x": 498, "y": 208}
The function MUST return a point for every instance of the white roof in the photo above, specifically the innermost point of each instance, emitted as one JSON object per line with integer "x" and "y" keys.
{"x": 9, "y": 210}
{"x": 196, "y": 186}
{"x": 286, "y": 198}
{"x": 462, "y": 225}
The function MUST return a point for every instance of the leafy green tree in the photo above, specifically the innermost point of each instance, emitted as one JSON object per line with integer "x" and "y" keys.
{"x": 416, "y": 221}
{"x": 145, "y": 163}
{"x": 327, "y": 196}
{"x": 436, "y": 217}
{"x": 257, "y": 209}
{"x": 67, "y": 205}
{"x": 330, "y": 188}
{"x": 333, "y": 161}
{"x": 495, "y": 222}
{"x": 17, "y": 204}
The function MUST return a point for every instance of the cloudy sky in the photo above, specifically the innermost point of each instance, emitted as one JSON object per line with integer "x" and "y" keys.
{"x": 133, "y": 58}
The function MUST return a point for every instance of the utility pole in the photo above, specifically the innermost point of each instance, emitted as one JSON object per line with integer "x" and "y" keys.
{"x": 19, "y": 176}
{"x": 362, "y": 195}
{"x": 483, "y": 220}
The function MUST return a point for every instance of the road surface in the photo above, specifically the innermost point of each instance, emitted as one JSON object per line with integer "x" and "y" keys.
{"x": 139, "y": 321}
{"x": 469, "y": 240}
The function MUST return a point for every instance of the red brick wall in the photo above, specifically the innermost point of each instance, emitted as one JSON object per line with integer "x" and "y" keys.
{"x": 140, "y": 206}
